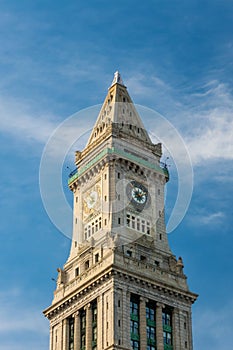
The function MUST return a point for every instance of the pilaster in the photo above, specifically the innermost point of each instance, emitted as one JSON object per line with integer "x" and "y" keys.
{"x": 65, "y": 332}
{"x": 77, "y": 333}
{"x": 189, "y": 330}
{"x": 176, "y": 336}
{"x": 142, "y": 325}
{"x": 88, "y": 327}
{"x": 100, "y": 321}
{"x": 51, "y": 338}
{"x": 126, "y": 318}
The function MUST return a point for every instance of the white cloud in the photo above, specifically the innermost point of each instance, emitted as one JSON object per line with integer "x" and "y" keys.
{"x": 212, "y": 218}
{"x": 212, "y": 136}
{"x": 209, "y": 129}
{"x": 139, "y": 84}
{"x": 204, "y": 118}
{"x": 208, "y": 219}
{"x": 21, "y": 122}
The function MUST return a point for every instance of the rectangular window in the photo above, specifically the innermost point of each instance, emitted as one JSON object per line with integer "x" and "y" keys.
{"x": 167, "y": 326}
{"x": 96, "y": 257}
{"x": 85, "y": 233}
{"x": 150, "y": 325}
{"x": 128, "y": 220}
{"x": 148, "y": 228}
{"x": 83, "y": 328}
{"x": 135, "y": 344}
{"x": 133, "y": 222}
{"x": 76, "y": 271}
{"x": 143, "y": 226}
{"x": 166, "y": 318}
{"x": 94, "y": 325}
{"x": 134, "y": 327}
{"x": 134, "y": 322}
{"x": 138, "y": 225}
{"x": 128, "y": 253}
{"x": 71, "y": 333}
{"x": 167, "y": 338}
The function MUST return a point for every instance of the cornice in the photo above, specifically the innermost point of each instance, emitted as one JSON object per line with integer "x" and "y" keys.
{"x": 110, "y": 153}
{"x": 114, "y": 273}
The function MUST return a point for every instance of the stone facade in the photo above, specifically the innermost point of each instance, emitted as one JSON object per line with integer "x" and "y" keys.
{"x": 121, "y": 287}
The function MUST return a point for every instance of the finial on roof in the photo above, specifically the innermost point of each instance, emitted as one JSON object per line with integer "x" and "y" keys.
{"x": 117, "y": 79}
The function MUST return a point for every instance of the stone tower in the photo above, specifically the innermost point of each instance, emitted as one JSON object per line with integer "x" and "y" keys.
{"x": 121, "y": 287}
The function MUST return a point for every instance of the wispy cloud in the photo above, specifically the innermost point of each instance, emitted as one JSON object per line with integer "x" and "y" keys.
{"x": 142, "y": 86}
{"x": 212, "y": 219}
{"x": 208, "y": 219}
{"x": 213, "y": 138}
{"x": 19, "y": 120}
{"x": 202, "y": 115}
{"x": 211, "y": 130}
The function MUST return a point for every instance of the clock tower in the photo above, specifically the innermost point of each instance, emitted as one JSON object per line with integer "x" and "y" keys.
{"x": 121, "y": 287}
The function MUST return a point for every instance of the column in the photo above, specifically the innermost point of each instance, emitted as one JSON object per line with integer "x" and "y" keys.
{"x": 176, "y": 329}
{"x": 51, "y": 338}
{"x": 159, "y": 326}
{"x": 77, "y": 334}
{"x": 126, "y": 318}
{"x": 189, "y": 329}
{"x": 142, "y": 323}
{"x": 88, "y": 327}
{"x": 59, "y": 338}
{"x": 65, "y": 334}
{"x": 100, "y": 322}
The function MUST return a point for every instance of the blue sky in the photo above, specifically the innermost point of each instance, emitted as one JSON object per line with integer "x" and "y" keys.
{"x": 59, "y": 57}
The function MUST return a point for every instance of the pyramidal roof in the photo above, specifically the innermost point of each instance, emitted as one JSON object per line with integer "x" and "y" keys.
{"x": 118, "y": 108}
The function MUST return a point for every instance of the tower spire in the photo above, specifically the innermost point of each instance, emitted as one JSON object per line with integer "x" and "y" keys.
{"x": 117, "y": 79}
{"x": 118, "y": 108}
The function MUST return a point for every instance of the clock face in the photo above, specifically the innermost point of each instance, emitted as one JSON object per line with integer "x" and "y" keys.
{"x": 91, "y": 201}
{"x": 138, "y": 194}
